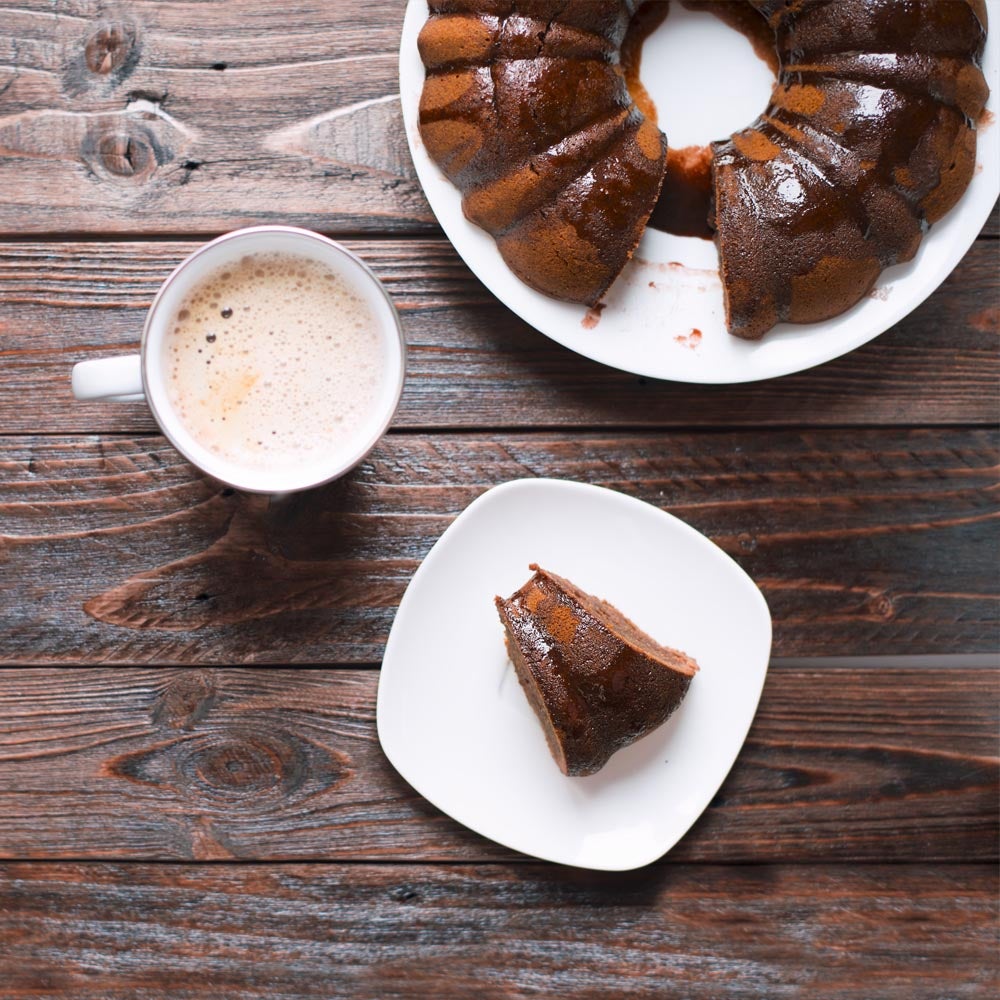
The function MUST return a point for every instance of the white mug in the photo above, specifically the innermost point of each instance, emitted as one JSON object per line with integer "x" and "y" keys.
{"x": 142, "y": 376}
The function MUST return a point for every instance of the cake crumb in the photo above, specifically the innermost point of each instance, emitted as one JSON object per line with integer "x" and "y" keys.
{"x": 593, "y": 316}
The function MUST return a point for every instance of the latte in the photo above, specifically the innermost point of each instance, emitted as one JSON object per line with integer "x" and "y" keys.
{"x": 274, "y": 360}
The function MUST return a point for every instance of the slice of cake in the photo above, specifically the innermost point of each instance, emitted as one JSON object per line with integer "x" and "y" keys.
{"x": 596, "y": 681}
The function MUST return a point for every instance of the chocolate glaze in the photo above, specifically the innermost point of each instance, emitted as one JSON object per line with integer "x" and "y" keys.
{"x": 592, "y": 316}
{"x": 685, "y": 201}
{"x": 595, "y": 680}
{"x": 645, "y": 21}
{"x": 526, "y": 110}
{"x": 868, "y": 139}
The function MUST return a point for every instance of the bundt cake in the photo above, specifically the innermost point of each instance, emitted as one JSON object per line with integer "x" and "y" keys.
{"x": 870, "y": 136}
{"x": 596, "y": 682}
{"x": 525, "y": 108}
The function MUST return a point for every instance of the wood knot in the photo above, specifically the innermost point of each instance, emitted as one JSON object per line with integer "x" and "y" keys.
{"x": 881, "y": 606}
{"x": 229, "y": 769}
{"x": 242, "y": 768}
{"x": 405, "y": 894}
{"x": 110, "y": 48}
{"x": 186, "y": 699}
{"x": 126, "y": 155}
{"x": 987, "y": 320}
{"x": 250, "y": 765}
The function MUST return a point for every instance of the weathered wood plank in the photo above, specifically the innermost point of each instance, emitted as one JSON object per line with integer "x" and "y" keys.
{"x": 145, "y": 118}
{"x": 864, "y": 542}
{"x": 474, "y": 364}
{"x": 992, "y": 227}
{"x": 860, "y": 765}
{"x": 843, "y": 933}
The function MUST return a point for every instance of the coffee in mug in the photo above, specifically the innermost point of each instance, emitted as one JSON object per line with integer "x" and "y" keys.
{"x": 273, "y": 360}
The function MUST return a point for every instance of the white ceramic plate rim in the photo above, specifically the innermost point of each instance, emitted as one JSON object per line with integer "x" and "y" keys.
{"x": 397, "y": 754}
{"x": 786, "y": 349}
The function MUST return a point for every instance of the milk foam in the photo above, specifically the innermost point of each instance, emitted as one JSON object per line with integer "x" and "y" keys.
{"x": 273, "y": 361}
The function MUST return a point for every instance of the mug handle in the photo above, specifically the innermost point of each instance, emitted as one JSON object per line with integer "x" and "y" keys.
{"x": 113, "y": 380}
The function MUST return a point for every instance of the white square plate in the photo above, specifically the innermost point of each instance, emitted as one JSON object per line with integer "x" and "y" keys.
{"x": 455, "y": 723}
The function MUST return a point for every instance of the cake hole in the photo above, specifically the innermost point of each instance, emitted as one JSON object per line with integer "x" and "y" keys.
{"x": 701, "y": 99}
{"x": 697, "y": 100}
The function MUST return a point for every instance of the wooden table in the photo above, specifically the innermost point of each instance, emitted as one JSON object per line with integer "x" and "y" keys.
{"x": 184, "y": 814}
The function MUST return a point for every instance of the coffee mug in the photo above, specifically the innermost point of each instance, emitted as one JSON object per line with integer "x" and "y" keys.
{"x": 143, "y": 376}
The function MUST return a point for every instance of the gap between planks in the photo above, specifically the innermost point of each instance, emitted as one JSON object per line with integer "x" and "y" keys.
{"x": 596, "y": 430}
{"x": 520, "y": 862}
{"x": 170, "y": 236}
{"x": 953, "y": 661}
{"x": 98, "y": 239}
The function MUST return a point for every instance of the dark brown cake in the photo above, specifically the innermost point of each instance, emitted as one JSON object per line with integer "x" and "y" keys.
{"x": 868, "y": 139}
{"x": 595, "y": 680}
{"x": 526, "y": 109}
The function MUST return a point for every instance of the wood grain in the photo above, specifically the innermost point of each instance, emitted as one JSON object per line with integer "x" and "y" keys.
{"x": 843, "y": 933}
{"x": 861, "y": 765}
{"x": 144, "y": 118}
{"x": 864, "y": 542}
{"x": 474, "y": 364}
{"x": 147, "y": 126}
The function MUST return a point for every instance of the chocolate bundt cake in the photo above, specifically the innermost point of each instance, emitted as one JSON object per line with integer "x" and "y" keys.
{"x": 596, "y": 681}
{"x": 525, "y": 108}
{"x": 869, "y": 138}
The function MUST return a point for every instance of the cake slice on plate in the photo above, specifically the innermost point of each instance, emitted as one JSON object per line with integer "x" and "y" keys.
{"x": 596, "y": 681}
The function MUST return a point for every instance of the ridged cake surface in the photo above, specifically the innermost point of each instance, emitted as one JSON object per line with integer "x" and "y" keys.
{"x": 526, "y": 109}
{"x": 869, "y": 138}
